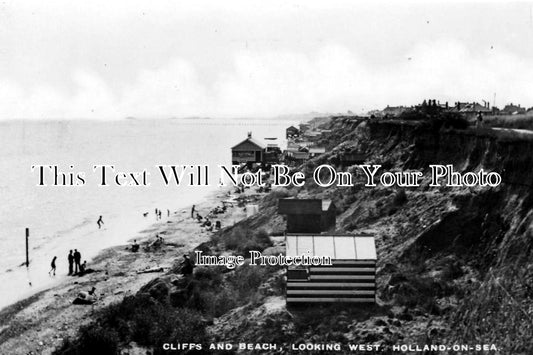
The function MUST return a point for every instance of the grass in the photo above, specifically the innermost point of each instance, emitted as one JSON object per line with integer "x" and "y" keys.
{"x": 510, "y": 121}
{"x": 412, "y": 289}
{"x": 435, "y": 118}
{"x": 497, "y": 309}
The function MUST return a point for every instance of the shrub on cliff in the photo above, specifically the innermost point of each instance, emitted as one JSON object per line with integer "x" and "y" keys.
{"x": 272, "y": 198}
{"x": 140, "y": 319}
{"x": 453, "y": 120}
{"x": 436, "y": 118}
{"x": 214, "y": 302}
{"x": 246, "y": 280}
{"x": 243, "y": 240}
{"x": 209, "y": 276}
{"x": 400, "y": 197}
{"x": 412, "y": 115}
{"x": 412, "y": 289}
{"x": 94, "y": 339}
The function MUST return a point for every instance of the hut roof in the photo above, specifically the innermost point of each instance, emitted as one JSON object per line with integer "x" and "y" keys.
{"x": 317, "y": 150}
{"x": 249, "y": 141}
{"x": 338, "y": 247}
{"x": 303, "y": 206}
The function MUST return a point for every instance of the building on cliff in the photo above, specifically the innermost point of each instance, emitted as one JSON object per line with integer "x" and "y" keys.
{"x": 248, "y": 151}
{"x": 308, "y": 215}
{"x": 292, "y": 132}
{"x": 511, "y": 109}
{"x": 351, "y": 277}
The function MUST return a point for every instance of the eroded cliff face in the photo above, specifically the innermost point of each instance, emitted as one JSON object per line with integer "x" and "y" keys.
{"x": 494, "y": 220}
{"x": 466, "y": 253}
{"x": 454, "y": 263}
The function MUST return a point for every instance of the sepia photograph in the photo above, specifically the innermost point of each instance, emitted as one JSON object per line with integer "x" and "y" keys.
{"x": 266, "y": 177}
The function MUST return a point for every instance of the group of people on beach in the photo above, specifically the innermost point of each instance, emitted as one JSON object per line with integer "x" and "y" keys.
{"x": 158, "y": 213}
{"x": 75, "y": 267}
{"x": 206, "y": 222}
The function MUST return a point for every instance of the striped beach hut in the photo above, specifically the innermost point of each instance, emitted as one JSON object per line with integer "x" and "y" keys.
{"x": 350, "y": 278}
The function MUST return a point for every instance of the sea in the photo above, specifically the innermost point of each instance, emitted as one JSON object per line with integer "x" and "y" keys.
{"x": 62, "y": 218}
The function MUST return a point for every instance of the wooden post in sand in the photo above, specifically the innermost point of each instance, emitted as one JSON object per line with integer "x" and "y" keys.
{"x": 27, "y": 255}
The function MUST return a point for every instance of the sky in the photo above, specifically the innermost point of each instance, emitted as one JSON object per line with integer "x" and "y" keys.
{"x": 159, "y": 59}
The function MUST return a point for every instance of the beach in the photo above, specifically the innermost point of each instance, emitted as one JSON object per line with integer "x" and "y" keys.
{"x": 63, "y": 218}
{"x": 38, "y": 324}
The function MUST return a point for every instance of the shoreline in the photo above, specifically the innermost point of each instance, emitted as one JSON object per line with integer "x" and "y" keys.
{"x": 40, "y": 322}
{"x": 121, "y": 226}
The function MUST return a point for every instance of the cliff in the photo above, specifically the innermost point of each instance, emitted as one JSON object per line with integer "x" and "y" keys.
{"x": 455, "y": 264}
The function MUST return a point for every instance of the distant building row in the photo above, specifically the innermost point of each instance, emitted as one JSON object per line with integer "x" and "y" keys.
{"x": 463, "y": 107}
{"x": 299, "y": 148}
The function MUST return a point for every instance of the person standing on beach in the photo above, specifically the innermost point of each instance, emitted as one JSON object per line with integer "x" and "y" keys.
{"x": 70, "y": 263}
{"x": 53, "y": 265}
{"x": 192, "y": 211}
{"x": 168, "y": 212}
{"x": 77, "y": 259}
{"x": 100, "y": 222}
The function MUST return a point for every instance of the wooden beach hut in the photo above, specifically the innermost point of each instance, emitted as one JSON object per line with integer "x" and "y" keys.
{"x": 249, "y": 150}
{"x": 308, "y": 215}
{"x": 292, "y": 132}
{"x": 297, "y": 157}
{"x": 272, "y": 154}
{"x": 351, "y": 278}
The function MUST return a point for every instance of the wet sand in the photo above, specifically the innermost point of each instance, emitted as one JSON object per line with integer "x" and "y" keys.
{"x": 39, "y": 323}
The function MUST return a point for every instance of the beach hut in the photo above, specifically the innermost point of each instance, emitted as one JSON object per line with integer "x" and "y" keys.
{"x": 350, "y": 278}
{"x": 308, "y": 215}
{"x": 272, "y": 154}
{"x": 298, "y": 157}
{"x": 249, "y": 150}
{"x": 292, "y": 132}
{"x": 315, "y": 151}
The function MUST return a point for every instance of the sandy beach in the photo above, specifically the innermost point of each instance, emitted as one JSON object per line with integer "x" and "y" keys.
{"x": 38, "y": 324}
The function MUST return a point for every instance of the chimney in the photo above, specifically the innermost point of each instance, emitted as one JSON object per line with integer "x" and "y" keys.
{"x": 250, "y": 134}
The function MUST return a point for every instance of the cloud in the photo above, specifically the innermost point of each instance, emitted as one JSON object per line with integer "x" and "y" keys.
{"x": 267, "y": 83}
